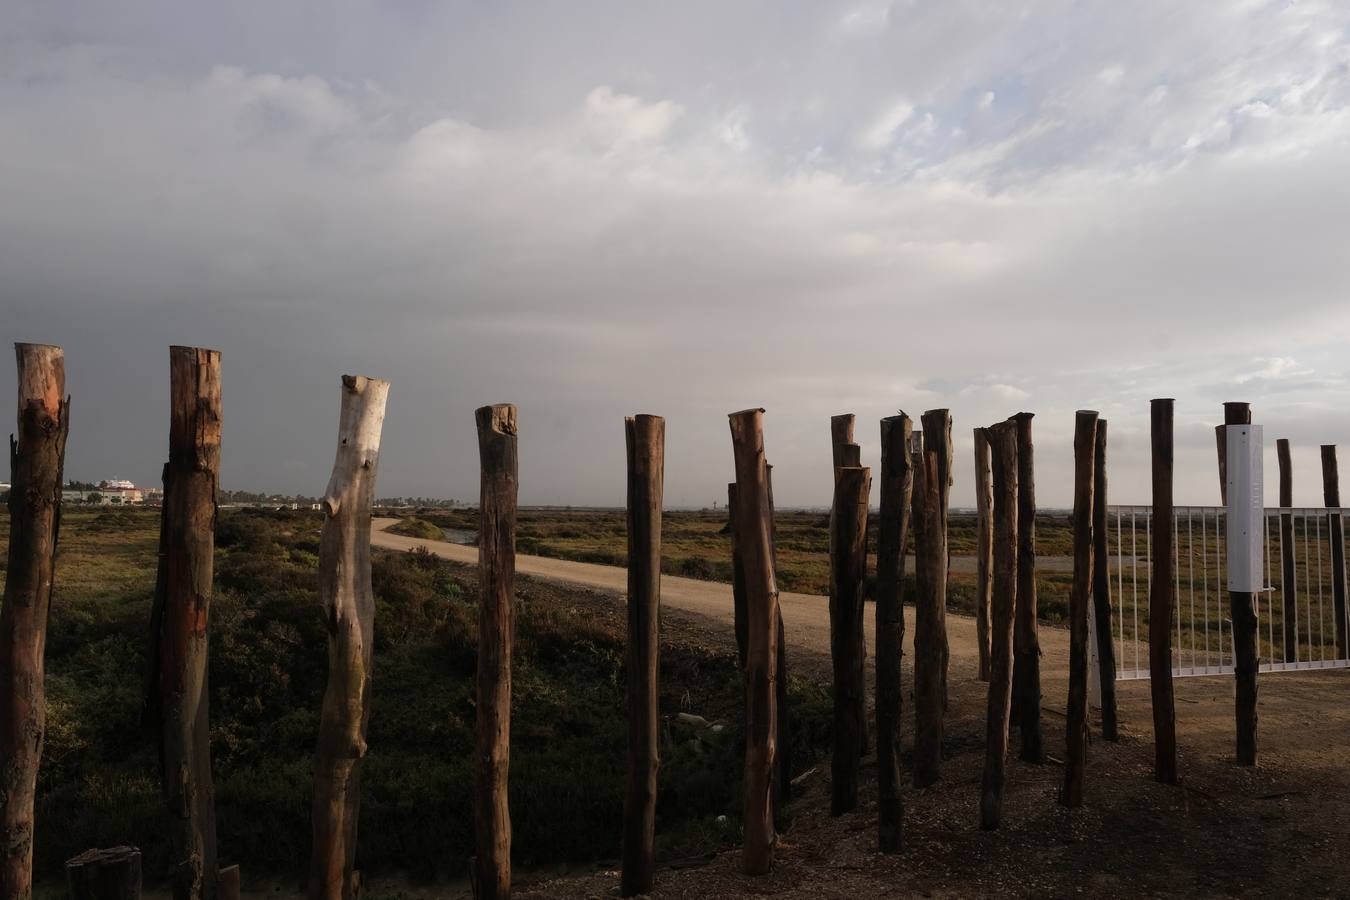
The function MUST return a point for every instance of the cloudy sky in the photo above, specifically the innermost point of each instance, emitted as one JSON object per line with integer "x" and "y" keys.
{"x": 597, "y": 209}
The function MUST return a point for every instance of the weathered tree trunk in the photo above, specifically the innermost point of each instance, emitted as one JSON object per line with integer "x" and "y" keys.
{"x": 1002, "y": 441}
{"x": 841, "y": 436}
{"x": 1246, "y": 656}
{"x": 183, "y": 588}
{"x": 36, "y": 460}
{"x": 348, "y": 603}
{"x": 897, "y": 484}
{"x": 1162, "y": 597}
{"x": 1075, "y": 729}
{"x": 1101, "y": 590}
{"x": 754, "y": 530}
{"x": 496, "y": 638}
{"x": 1331, "y": 496}
{"x": 1026, "y": 703}
{"x": 112, "y": 874}
{"x": 1288, "y": 575}
{"x": 737, "y": 578}
{"x": 930, "y": 607}
{"x": 848, "y": 567}
{"x": 783, "y": 756}
{"x": 984, "y": 548}
{"x": 646, "y": 471}
{"x": 847, "y": 454}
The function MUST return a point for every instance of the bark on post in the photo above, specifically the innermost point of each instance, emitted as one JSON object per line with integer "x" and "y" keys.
{"x": 1246, "y": 658}
{"x": 183, "y": 588}
{"x": 841, "y": 436}
{"x": 737, "y": 578}
{"x": 1026, "y": 704}
{"x": 783, "y": 758}
{"x": 646, "y": 473}
{"x": 496, "y": 638}
{"x": 754, "y": 530}
{"x": 1288, "y": 575}
{"x": 112, "y": 874}
{"x": 348, "y": 603}
{"x": 1101, "y": 590}
{"x": 36, "y": 460}
{"x": 984, "y": 548}
{"x": 1075, "y": 730}
{"x": 930, "y": 609}
{"x": 1002, "y": 439}
{"x": 848, "y": 567}
{"x": 897, "y": 484}
{"x": 1331, "y": 496}
{"x": 1162, "y": 597}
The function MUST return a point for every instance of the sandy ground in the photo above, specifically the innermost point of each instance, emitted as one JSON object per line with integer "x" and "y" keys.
{"x": 1276, "y": 830}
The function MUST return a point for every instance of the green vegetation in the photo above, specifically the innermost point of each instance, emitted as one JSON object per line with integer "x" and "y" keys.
{"x": 99, "y": 784}
{"x": 419, "y": 528}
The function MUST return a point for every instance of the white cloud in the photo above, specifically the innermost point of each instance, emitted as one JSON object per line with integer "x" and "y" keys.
{"x": 881, "y": 132}
{"x": 626, "y": 119}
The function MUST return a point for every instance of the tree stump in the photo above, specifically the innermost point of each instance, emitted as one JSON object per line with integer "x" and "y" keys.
{"x": 111, "y": 874}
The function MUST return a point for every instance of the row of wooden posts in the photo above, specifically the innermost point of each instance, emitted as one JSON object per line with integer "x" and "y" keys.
{"x": 915, "y": 482}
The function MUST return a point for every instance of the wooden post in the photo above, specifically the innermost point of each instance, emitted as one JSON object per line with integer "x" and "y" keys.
{"x": 183, "y": 588}
{"x": 1026, "y": 703}
{"x": 228, "y": 886}
{"x": 984, "y": 548}
{"x": 348, "y": 602}
{"x": 930, "y": 609}
{"x": 848, "y": 567}
{"x": 1002, "y": 440}
{"x": 1101, "y": 590}
{"x": 897, "y": 485}
{"x": 1075, "y": 729}
{"x": 112, "y": 874}
{"x": 36, "y": 460}
{"x": 1288, "y": 575}
{"x": 754, "y": 530}
{"x": 1162, "y": 597}
{"x": 1331, "y": 496}
{"x": 737, "y": 578}
{"x": 783, "y": 756}
{"x": 841, "y": 436}
{"x": 847, "y": 454}
{"x": 496, "y": 638}
{"x": 646, "y": 471}
{"x": 1246, "y": 658}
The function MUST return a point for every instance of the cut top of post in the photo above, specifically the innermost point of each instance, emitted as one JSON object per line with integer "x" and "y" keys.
{"x": 194, "y": 405}
{"x": 1331, "y": 480}
{"x": 42, "y": 377}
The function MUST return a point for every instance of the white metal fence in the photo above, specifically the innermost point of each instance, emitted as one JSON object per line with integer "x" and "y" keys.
{"x": 1202, "y": 638}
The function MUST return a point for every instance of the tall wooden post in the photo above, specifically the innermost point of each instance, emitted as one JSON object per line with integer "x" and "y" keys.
{"x": 646, "y": 470}
{"x": 738, "y": 611}
{"x": 177, "y": 702}
{"x": 848, "y": 567}
{"x": 1075, "y": 730}
{"x": 1331, "y": 496}
{"x": 1026, "y": 703}
{"x": 841, "y": 436}
{"x": 1101, "y": 590}
{"x": 897, "y": 485}
{"x": 1002, "y": 439}
{"x": 783, "y": 756}
{"x": 348, "y": 602}
{"x": 930, "y": 608}
{"x": 1246, "y": 658}
{"x": 847, "y": 454}
{"x": 754, "y": 530}
{"x": 984, "y": 548}
{"x": 496, "y": 638}
{"x": 36, "y": 460}
{"x": 1162, "y": 597}
{"x": 1288, "y": 574}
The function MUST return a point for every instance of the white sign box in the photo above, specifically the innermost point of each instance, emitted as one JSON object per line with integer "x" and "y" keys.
{"x": 1246, "y": 508}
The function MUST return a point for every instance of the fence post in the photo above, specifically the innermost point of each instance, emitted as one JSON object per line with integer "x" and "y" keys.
{"x": 36, "y": 461}
{"x": 1162, "y": 596}
{"x": 984, "y": 548}
{"x": 848, "y": 567}
{"x": 1026, "y": 703}
{"x": 1101, "y": 591}
{"x": 737, "y": 577}
{"x": 1075, "y": 729}
{"x": 1288, "y": 575}
{"x": 897, "y": 484}
{"x": 1246, "y": 660}
{"x": 754, "y": 530}
{"x": 111, "y": 874}
{"x": 646, "y": 438}
{"x": 783, "y": 756}
{"x": 930, "y": 604}
{"x": 497, "y": 437}
{"x": 1002, "y": 441}
{"x": 841, "y": 436}
{"x": 348, "y": 603}
{"x": 177, "y": 702}
{"x": 1331, "y": 496}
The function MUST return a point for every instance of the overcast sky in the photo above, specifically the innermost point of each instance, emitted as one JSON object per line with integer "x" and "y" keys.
{"x": 597, "y": 209}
